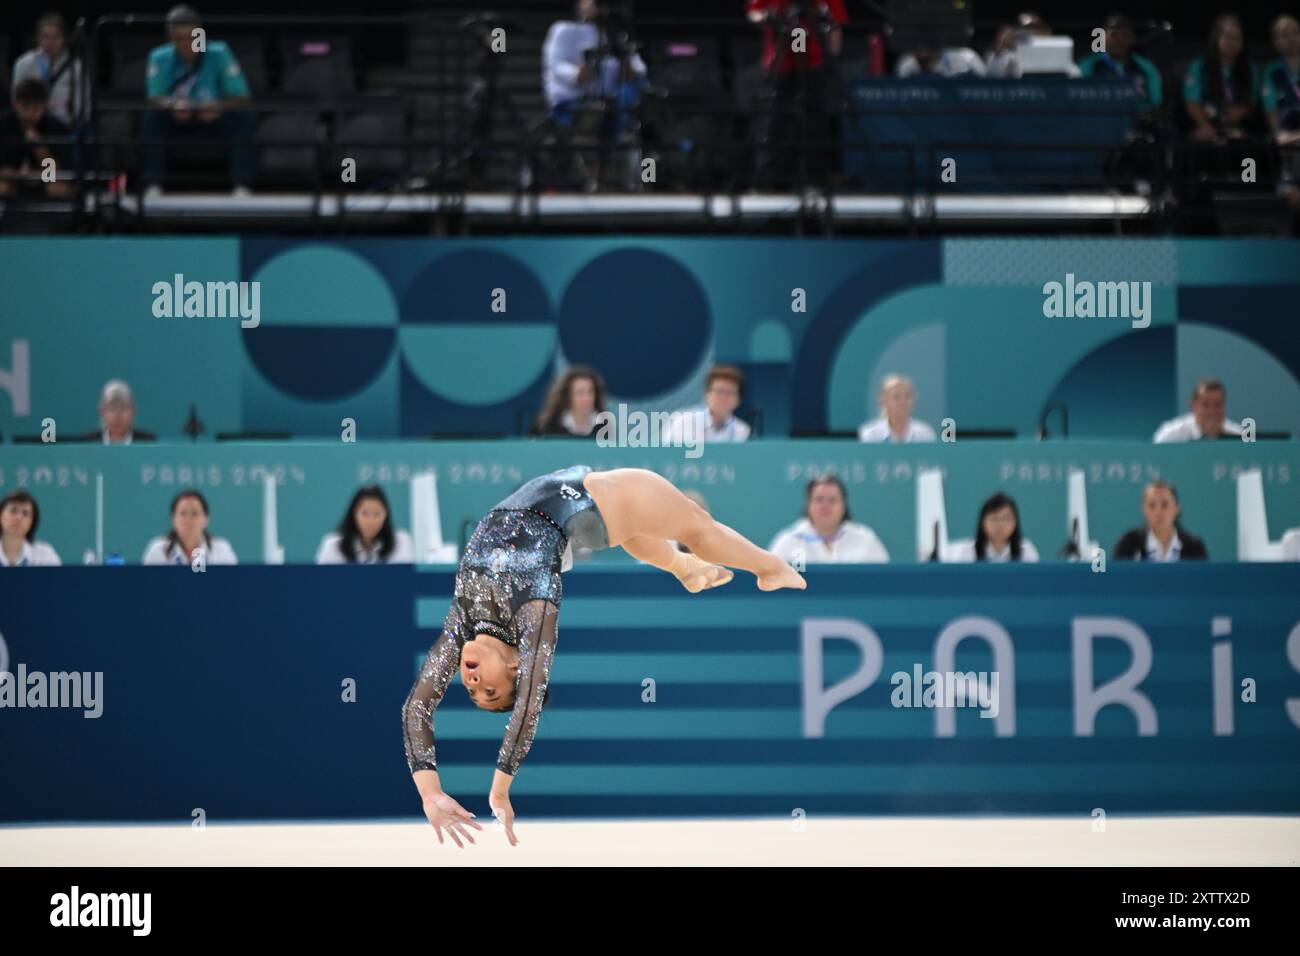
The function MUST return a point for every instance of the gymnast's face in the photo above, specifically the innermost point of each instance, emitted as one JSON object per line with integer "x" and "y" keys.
{"x": 488, "y": 669}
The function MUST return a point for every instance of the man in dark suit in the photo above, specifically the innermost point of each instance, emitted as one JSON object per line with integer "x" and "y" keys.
{"x": 117, "y": 417}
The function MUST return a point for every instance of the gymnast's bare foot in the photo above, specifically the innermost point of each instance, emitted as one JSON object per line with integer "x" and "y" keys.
{"x": 697, "y": 575}
{"x": 781, "y": 576}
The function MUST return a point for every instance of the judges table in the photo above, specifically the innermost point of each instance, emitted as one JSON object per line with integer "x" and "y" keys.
{"x": 757, "y": 488}
{"x": 275, "y": 692}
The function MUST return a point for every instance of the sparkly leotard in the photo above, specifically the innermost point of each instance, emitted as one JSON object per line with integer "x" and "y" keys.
{"x": 508, "y": 585}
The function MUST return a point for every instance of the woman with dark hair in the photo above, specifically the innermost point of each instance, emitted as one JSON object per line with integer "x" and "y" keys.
{"x": 576, "y": 399}
{"x": 1161, "y": 538}
{"x": 189, "y": 534}
{"x": 997, "y": 535}
{"x": 1221, "y": 88}
{"x": 826, "y": 534}
{"x": 500, "y": 632}
{"x": 366, "y": 534}
{"x": 19, "y": 518}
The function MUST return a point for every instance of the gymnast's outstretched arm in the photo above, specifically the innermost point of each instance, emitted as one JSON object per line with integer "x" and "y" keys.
{"x": 417, "y": 724}
{"x": 535, "y": 627}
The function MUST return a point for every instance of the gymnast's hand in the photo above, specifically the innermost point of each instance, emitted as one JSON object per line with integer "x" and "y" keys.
{"x": 503, "y": 811}
{"x": 443, "y": 811}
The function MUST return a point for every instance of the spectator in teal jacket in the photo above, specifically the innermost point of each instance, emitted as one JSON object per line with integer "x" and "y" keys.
{"x": 1280, "y": 86}
{"x": 1118, "y": 60}
{"x": 1280, "y": 92}
{"x": 1221, "y": 89}
{"x": 199, "y": 91}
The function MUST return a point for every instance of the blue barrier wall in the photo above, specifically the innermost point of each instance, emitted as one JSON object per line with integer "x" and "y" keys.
{"x": 222, "y": 691}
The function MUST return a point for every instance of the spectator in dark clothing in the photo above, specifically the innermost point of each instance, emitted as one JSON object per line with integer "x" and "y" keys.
{"x": 29, "y": 136}
{"x": 801, "y": 88}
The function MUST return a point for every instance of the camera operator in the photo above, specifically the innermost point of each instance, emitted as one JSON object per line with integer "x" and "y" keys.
{"x": 584, "y": 59}
{"x": 799, "y": 84}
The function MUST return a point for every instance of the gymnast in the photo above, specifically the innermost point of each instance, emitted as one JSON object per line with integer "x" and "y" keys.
{"x": 501, "y": 629}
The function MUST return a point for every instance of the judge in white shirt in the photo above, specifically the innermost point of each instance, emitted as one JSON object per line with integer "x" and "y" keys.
{"x": 825, "y": 534}
{"x": 189, "y": 534}
{"x": 1208, "y": 418}
{"x": 997, "y": 538}
{"x": 19, "y": 518}
{"x": 366, "y": 534}
{"x": 715, "y": 420}
{"x": 897, "y": 399}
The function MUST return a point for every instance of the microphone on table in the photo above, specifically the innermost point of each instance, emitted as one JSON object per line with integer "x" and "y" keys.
{"x": 1071, "y": 550}
{"x": 193, "y": 427}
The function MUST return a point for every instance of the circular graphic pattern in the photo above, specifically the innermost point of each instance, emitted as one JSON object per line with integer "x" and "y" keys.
{"x": 459, "y": 348}
{"x": 328, "y": 323}
{"x": 639, "y": 317}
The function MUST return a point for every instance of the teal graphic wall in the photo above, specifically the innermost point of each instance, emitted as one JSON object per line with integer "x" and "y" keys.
{"x": 401, "y": 334}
